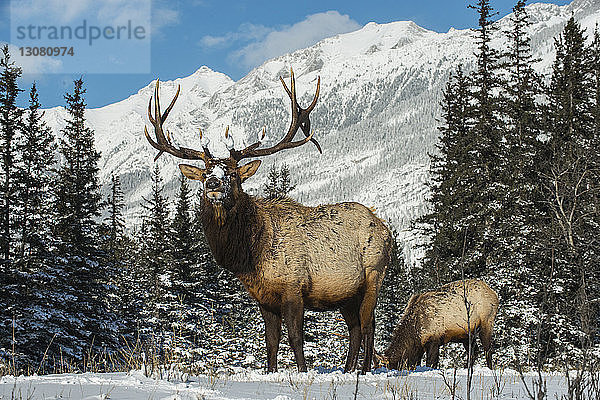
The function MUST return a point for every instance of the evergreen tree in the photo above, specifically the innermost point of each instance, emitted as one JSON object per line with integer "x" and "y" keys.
{"x": 278, "y": 183}
{"x": 393, "y": 296}
{"x": 11, "y": 125}
{"x": 592, "y": 240}
{"x": 120, "y": 254}
{"x": 480, "y": 227}
{"x": 517, "y": 273}
{"x": 467, "y": 189}
{"x": 34, "y": 177}
{"x": 82, "y": 291}
{"x": 571, "y": 192}
{"x": 183, "y": 245}
{"x": 185, "y": 308}
{"x": 271, "y": 188}
{"x": 595, "y": 64}
{"x": 156, "y": 257}
{"x": 78, "y": 192}
{"x": 115, "y": 220}
{"x": 451, "y": 188}
{"x": 285, "y": 183}
{"x": 131, "y": 292}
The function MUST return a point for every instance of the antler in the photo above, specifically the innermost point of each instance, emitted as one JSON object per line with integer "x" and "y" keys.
{"x": 164, "y": 143}
{"x": 300, "y": 119}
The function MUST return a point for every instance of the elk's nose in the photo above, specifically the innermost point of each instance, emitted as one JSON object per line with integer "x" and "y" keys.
{"x": 213, "y": 183}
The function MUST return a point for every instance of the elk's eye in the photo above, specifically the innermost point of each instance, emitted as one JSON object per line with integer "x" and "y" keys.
{"x": 203, "y": 175}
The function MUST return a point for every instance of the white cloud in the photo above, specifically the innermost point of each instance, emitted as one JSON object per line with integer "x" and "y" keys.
{"x": 245, "y": 33}
{"x": 163, "y": 16}
{"x": 63, "y": 11}
{"x": 261, "y": 43}
{"x": 115, "y": 12}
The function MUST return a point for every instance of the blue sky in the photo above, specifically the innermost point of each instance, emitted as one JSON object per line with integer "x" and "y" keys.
{"x": 230, "y": 37}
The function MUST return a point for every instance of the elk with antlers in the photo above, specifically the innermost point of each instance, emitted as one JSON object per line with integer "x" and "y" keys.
{"x": 290, "y": 257}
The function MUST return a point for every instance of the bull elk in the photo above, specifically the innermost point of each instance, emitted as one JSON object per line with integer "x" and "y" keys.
{"x": 432, "y": 319}
{"x": 289, "y": 257}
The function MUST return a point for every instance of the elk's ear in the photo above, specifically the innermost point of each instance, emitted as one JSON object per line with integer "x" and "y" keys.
{"x": 247, "y": 170}
{"x": 192, "y": 172}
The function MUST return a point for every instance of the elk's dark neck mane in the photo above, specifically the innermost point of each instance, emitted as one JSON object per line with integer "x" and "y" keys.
{"x": 235, "y": 237}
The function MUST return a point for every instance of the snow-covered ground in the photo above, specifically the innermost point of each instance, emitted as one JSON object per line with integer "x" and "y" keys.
{"x": 250, "y": 384}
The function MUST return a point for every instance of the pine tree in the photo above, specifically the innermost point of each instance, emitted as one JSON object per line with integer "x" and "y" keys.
{"x": 156, "y": 257}
{"x": 571, "y": 194}
{"x": 271, "y": 188}
{"x": 78, "y": 192}
{"x": 11, "y": 125}
{"x": 516, "y": 272}
{"x": 285, "y": 183}
{"x": 480, "y": 227}
{"x": 393, "y": 296}
{"x": 119, "y": 255}
{"x": 83, "y": 287}
{"x": 131, "y": 291}
{"x": 183, "y": 245}
{"x": 278, "y": 183}
{"x": 451, "y": 188}
{"x": 115, "y": 220}
{"x": 467, "y": 190}
{"x": 594, "y": 256}
{"x": 183, "y": 310}
{"x": 34, "y": 177}
{"x": 595, "y": 64}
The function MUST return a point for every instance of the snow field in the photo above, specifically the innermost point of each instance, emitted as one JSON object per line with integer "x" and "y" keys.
{"x": 254, "y": 384}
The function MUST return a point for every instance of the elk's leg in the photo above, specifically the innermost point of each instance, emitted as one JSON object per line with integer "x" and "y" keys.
{"x": 350, "y": 313}
{"x": 367, "y": 323}
{"x": 272, "y": 336}
{"x": 370, "y": 339}
{"x": 393, "y": 364}
{"x": 433, "y": 353}
{"x": 293, "y": 315}
{"x": 485, "y": 335}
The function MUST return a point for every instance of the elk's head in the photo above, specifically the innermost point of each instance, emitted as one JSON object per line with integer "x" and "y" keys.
{"x": 380, "y": 360}
{"x": 223, "y": 177}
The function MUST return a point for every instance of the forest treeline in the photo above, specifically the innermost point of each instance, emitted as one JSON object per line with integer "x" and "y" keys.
{"x": 514, "y": 200}
{"x": 515, "y": 190}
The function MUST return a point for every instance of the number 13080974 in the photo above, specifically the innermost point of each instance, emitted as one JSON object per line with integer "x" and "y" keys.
{"x": 55, "y": 51}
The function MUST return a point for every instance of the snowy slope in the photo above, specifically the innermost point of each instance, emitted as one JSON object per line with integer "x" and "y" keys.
{"x": 248, "y": 384}
{"x": 376, "y": 118}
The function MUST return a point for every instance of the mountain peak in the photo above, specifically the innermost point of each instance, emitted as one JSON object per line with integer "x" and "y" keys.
{"x": 405, "y": 27}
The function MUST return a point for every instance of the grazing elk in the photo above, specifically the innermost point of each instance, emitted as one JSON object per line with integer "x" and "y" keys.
{"x": 288, "y": 256}
{"x": 432, "y": 319}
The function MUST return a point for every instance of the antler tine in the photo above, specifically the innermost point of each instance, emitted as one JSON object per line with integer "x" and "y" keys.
{"x": 168, "y": 110}
{"x": 152, "y": 120}
{"x": 157, "y": 115}
{"x": 306, "y": 126}
{"x": 300, "y": 119}
{"x": 204, "y": 143}
{"x": 314, "y": 102}
{"x": 164, "y": 143}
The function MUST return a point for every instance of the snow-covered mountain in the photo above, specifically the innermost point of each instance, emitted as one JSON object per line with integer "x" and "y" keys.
{"x": 376, "y": 118}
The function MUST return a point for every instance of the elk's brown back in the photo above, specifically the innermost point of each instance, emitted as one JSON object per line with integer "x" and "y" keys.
{"x": 327, "y": 252}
